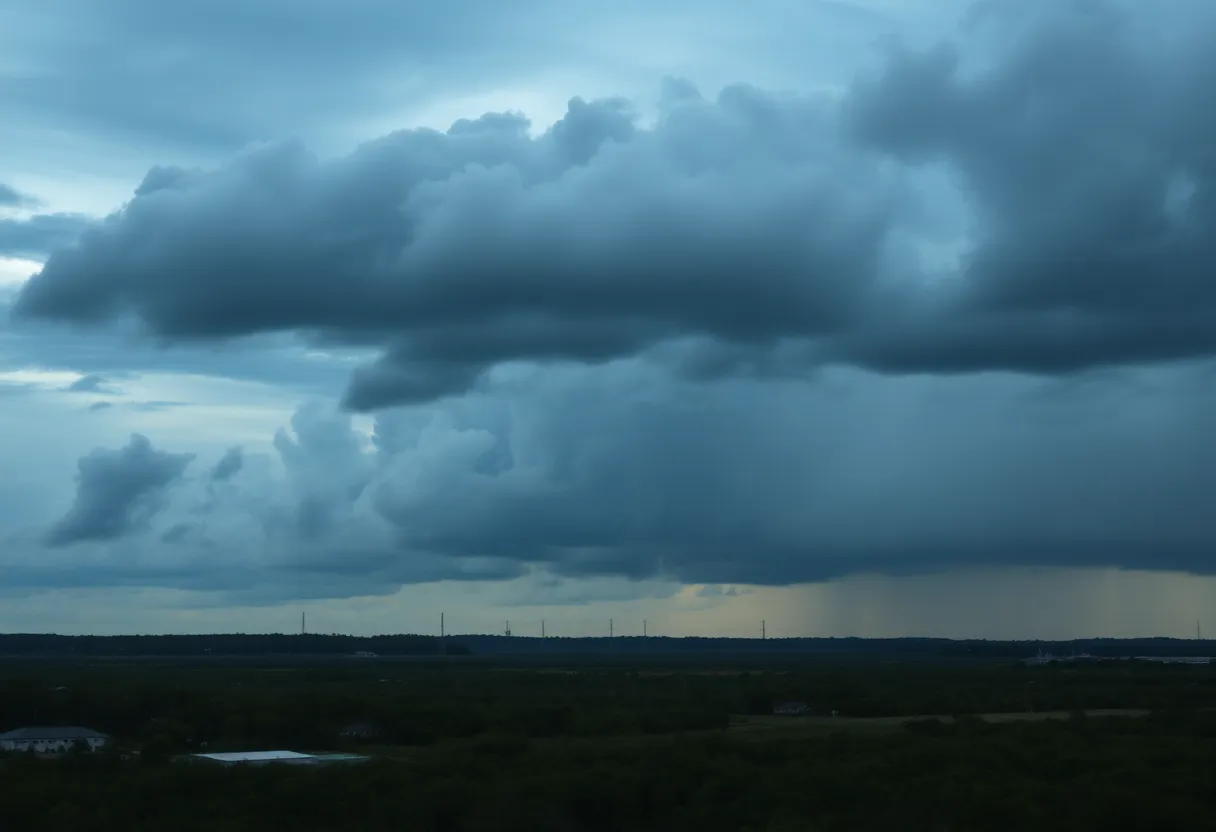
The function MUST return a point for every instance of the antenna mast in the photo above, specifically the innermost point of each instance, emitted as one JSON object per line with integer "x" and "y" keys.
{"x": 508, "y": 630}
{"x": 303, "y": 625}
{"x": 763, "y": 629}
{"x": 609, "y": 628}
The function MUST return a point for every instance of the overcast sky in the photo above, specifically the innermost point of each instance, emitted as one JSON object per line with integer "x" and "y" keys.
{"x": 865, "y": 317}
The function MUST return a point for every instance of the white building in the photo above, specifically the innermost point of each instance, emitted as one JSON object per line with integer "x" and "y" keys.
{"x": 53, "y": 740}
{"x": 262, "y": 758}
{"x": 257, "y": 758}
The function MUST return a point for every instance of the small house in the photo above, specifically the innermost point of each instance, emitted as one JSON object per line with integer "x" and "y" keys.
{"x": 52, "y": 740}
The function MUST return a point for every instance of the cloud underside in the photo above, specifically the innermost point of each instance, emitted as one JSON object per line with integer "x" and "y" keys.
{"x": 625, "y": 473}
{"x": 1070, "y": 181}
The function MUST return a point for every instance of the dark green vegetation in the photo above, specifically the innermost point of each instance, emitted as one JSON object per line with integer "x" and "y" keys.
{"x": 224, "y": 644}
{"x": 628, "y": 744}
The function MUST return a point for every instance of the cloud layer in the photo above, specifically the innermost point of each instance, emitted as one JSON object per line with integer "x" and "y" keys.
{"x": 752, "y": 232}
{"x": 961, "y": 314}
{"x": 625, "y": 473}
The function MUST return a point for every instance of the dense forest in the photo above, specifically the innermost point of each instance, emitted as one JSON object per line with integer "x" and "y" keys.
{"x": 256, "y": 705}
{"x": 1146, "y": 774}
{"x": 596, "y": 743}
{"x": 316, "y": 644}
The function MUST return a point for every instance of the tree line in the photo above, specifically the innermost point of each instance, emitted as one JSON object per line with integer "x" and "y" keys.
{"x": 226, "y": 644}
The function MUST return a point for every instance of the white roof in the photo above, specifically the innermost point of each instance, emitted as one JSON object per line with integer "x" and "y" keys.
{"x": 254, "y": 756}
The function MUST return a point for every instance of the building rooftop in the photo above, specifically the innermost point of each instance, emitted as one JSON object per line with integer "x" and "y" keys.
{"x": 56, "y": 732}
{"x": 253, "y": 756}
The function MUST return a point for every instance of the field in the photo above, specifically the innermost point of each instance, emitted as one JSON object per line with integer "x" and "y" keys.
{"x": 572, "y": 743}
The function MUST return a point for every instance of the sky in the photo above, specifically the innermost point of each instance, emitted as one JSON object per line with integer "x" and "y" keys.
{"x": 858, "y": 317}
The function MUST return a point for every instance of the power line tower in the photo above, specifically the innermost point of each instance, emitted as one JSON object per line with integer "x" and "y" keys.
{"x": 507, "y": 632}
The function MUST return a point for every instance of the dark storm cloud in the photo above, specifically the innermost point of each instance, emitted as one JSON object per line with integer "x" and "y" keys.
{"x": 755, "y": 223}
{"x": 1092, "y": 173}
{"x": 627, "y": 474}
{"x": 117, "y": 491}
{"x": 775, "y": 483}
{"x": 738, "y": 218}
{"x": 36, "y": 237}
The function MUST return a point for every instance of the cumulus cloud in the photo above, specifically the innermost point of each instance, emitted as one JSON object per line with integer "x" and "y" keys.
{"x": 595, "y": 241}
{"x": 118, "y": 491}
{"x": 625, "y": 475}
{"x": 1092, "y": 176}
{"x": 763, "y": 232}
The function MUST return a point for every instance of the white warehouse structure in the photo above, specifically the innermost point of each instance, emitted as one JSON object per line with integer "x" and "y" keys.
{"x": 260, "y": 758}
